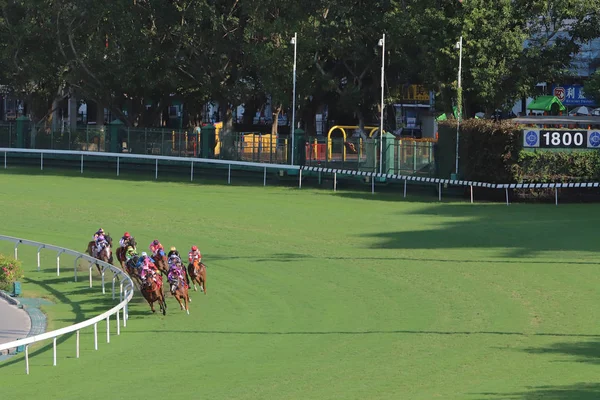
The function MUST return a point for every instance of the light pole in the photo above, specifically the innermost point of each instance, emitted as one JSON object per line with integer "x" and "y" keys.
{"x": 458, "y": 100}
{"x": 295, "y": 43}
{"x": 382, "y": 45}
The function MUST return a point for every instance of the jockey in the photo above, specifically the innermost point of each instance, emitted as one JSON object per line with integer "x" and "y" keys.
{"x": 157, "y": 248}
{"x": 129, "y": 253}
{"x": 174, "y": 252}
{"x": 125, "y": 239}
{"x": 175, "y": 273}
{"x": 194, "y": 254}
{"x": 174, "y": 259}
{"x": 100, "y": 241}
{"x": 98, "y": 233}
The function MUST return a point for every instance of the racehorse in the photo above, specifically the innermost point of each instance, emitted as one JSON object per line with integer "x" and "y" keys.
{"x": 161, "y": 263}
{"x": 197, "y": 273}
{"x": 122, "y": 250}
{"x": 179, "y": 290}
{"x": 132, "y": 271}
{"x": 153, "y": 292}
{"x": 105, "y": 253}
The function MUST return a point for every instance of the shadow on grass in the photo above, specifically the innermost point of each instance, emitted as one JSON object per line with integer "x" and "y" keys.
{"x": 585, "y": 352}
{"x": 580, "y": 391}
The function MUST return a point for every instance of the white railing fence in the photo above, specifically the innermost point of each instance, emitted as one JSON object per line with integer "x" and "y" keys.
{"x": 335, "y": 173}
{"x": 125, "y": 293}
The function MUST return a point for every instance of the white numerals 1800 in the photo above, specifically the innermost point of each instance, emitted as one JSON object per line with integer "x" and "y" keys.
{"x": 566, "y": 139}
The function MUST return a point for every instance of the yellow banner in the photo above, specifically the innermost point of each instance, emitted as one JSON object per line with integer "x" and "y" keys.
{"x": 415, "y": 93}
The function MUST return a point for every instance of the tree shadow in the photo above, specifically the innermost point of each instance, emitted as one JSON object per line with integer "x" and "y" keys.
{"x": 522, "y": 230}
{"x": 585, "y": 352}
{"x": 579, "y": 391}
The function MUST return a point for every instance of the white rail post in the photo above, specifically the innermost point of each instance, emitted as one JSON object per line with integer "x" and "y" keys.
{"x": 39, "y": 250}
{"x": 192, "y": 173}
{"x": 125, "y": 310}
{"x": 102, "y": 275}
{"x": 120, "y": 291}
{"x": 335, "y": 181}
{"x": 58, "y": 262}
{"x": 229, "y": 174}
{"x": 118, "y": 322}
{"x": 96, "y": 336}
{"x": 506, "y": 189}
{"x": 265, "y": 177}
{"x": 27, "y": 359}
{"x": 91, "y": 266}
{"x": 77, "y": 345}
{"x": 439, "y": 190}
{"x": 118, "y": 165}
{"x": 41, "y": 161}
{"x": 471, "y": 194}
{"x": 555, "y": 195}
{"x": 16, "y": 251}
{"x": 300, "y": 180}
{"x": 405, "y": 187}
{"x": 82, "y": 163}
{"x": 54, "y": 350}
{"x": 156, "y": 170}
{"x": 372, "y": 185}
{"x": 108, "y": 329}
{"x": 5, "y": 160}
{"x": 114, "y": 278}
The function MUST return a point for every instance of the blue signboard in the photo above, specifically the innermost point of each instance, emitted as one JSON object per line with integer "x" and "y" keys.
{"x": 572, "y": 95}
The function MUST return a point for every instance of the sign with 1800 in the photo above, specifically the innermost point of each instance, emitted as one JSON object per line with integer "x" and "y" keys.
{"x": 557, "y": 138}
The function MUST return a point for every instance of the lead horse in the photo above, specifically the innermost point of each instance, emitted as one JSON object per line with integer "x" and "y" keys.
{"x": 105, "y": 253}
{"x": 197, "y": 274}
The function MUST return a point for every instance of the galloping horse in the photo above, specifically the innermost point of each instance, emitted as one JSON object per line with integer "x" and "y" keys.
{"x": 179, "y": 290}
{"x": 152, "y": 292}
{"x": 197, "y": 273}
{"x": 105, "y": 253}
{"x": 161, "y": 264}
{"x": 122, "y": 250}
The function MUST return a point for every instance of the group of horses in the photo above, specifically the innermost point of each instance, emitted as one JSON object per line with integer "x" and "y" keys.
{"x": 152, "y": 287}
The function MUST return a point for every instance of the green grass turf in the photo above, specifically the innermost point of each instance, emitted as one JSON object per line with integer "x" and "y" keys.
{"x": 316, "y": 295}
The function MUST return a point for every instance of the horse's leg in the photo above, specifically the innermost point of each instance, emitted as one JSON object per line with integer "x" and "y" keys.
{"x": 164, "y": 303}
{"x": 204, "y": 281}
{"x": 151, "y": 306}
{"x": 186, "y": 299}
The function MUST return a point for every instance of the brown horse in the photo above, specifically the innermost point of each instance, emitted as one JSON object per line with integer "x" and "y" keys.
{"x": 122, "y": 250}
{"x": 104, "y": 255}
{"x": 197, "y": 273}
{"x": 161, "y": 263}
{"x": 179, "y": 290}
{"x": 153, "y": 292}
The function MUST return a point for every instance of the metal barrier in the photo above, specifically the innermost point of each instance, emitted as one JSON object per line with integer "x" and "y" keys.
{"x": 125, "y": 294}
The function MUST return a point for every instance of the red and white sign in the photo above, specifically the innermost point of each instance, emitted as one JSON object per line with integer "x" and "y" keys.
{"x": 560, "y": 93}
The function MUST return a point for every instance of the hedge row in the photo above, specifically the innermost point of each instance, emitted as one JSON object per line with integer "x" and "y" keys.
{"x": 10, "y": 271}
{"x": 493, "y": 152}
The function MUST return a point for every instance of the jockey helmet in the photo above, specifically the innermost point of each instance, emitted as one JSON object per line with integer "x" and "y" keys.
{"x": 156, "y": 242}
{"x": 194, "y": 248}
{"x": 127, "y": 235}
{"x": 144, "y": 254}
{"x": 173, "y": 248}
{"x": 100, "y": 230}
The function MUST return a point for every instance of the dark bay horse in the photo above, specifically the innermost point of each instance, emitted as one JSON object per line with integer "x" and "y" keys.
{"x": 179, "y": 290}
{"x": 105, "y": 253}
{"x": 197, "y": 274}
{"x": 153, "y": 292}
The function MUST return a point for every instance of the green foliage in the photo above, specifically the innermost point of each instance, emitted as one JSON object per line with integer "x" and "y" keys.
{"x": 592, "y": 86}
{"x": 10, "y": 271}
{"x": 552, "y": 166}
{"x": 493, "y": 152}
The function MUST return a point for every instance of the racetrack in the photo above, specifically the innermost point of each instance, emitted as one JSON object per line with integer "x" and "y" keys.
{"x": 317, "y": 295}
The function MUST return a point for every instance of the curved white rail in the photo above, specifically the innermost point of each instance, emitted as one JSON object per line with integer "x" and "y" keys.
{"x": 125, "y": 295}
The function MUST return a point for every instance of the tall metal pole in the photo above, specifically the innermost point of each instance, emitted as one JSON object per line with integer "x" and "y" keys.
{"x": 382, "y": 105}
{"x": 458, "y": 102}
{"x": 295, "y": 42}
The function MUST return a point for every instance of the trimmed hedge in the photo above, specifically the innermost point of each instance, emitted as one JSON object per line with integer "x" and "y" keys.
{"x": 493, "y": 152}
